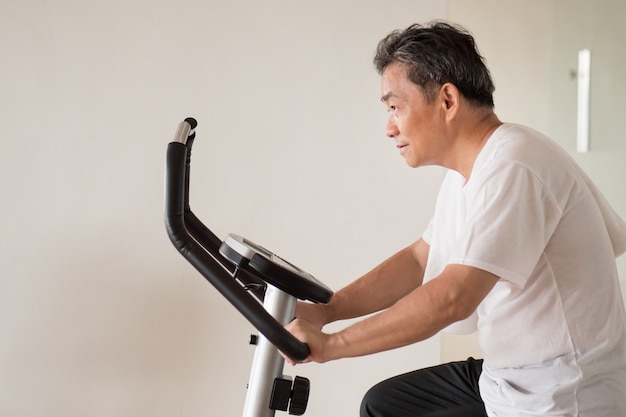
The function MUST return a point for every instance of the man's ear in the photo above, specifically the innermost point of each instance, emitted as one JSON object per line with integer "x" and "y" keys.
{"x": 450, "y": 100}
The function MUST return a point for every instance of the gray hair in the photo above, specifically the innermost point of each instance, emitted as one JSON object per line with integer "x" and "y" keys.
{"x": 437, "y": 53}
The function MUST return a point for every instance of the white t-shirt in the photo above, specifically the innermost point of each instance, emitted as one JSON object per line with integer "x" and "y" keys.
{"x": 553, "y": 329}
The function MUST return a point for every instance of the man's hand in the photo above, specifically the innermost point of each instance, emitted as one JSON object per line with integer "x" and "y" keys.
{"x": 314, "y": 338}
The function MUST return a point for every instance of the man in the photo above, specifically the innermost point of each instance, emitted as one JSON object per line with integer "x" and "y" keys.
{"x": 522, "y": 246}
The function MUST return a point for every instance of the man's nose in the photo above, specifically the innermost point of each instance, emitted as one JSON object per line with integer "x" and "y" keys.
{"x": 392, "y": 129}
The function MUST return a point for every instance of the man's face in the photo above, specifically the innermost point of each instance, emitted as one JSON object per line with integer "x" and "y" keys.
{"x": 414, "y": 124}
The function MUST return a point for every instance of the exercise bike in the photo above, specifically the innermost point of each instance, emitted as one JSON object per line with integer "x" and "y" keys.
{"x": 262, "y": 286}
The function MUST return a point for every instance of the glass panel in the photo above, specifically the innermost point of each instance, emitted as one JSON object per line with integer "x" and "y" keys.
{"x": 600, "y": 26}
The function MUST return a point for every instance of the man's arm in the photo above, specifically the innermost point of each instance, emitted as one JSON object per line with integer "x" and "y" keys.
{"x": 377, "y": 290}
{"x": 450, "y": 297}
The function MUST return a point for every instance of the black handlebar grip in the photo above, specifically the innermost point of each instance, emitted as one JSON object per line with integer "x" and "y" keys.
{"x": 212, "y": 270}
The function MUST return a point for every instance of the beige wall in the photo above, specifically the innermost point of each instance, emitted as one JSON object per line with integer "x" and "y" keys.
{"x": 99, "y": 316}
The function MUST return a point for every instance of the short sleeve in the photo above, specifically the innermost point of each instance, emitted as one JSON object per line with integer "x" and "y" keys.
{"x": 428, "y": 233}
{"x": 510, "y": 218}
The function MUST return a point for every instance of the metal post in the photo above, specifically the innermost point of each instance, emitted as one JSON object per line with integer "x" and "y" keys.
{"x": 267, "y": 364}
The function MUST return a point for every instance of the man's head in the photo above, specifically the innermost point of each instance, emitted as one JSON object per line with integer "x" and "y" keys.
{"x": 435, "y": 54}
{"x": 439, "y": 95}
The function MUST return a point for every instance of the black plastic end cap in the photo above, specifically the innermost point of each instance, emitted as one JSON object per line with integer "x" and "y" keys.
{"x": 192, "y": 122}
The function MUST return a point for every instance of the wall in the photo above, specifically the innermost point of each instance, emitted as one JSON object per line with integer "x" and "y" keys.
{"x": 99, "y": 316}
{"x": 513, "y": 36}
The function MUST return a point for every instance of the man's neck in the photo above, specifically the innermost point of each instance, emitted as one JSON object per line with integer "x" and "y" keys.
{"x": 470, "y": 140}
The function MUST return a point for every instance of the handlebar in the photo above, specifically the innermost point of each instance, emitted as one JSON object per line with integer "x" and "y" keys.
{"x": 200, "y": 246}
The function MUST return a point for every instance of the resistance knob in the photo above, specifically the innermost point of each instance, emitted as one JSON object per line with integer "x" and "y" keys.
{"x": 299, "y": 396}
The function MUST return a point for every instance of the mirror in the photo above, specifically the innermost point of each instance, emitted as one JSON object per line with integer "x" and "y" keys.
{"x": 596, "y": 26}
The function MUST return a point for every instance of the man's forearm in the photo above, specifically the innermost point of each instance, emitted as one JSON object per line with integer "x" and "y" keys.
{"x": 452, "y": 296}
{"x": 381, "y": 287}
